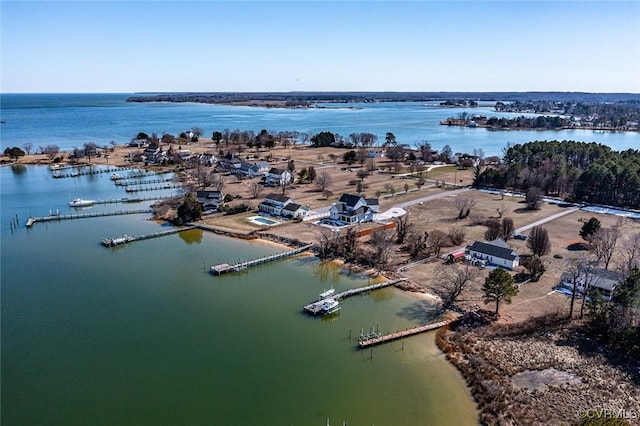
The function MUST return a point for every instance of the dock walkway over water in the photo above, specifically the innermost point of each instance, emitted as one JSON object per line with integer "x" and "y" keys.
{"x": 113, "y": 242}
{"x": 380, "y": 339}
{"x": 226, "y": 267}
{"x": 33, "y": 220}
{"x": 314, "y": 308}
{"x": 80, "y": 172}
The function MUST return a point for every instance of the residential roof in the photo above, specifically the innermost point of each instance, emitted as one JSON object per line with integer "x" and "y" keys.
{"x": 275, "y": 171}
{"x": 292, "y": 207}
{"x": 278, "y": 197}
{"x": 350, "y": 199}
{"x": 496, "y": 248}
{"x": 604, "y": 279}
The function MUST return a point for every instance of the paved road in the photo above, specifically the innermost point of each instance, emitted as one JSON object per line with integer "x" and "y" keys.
{"x": 546, "y": 219}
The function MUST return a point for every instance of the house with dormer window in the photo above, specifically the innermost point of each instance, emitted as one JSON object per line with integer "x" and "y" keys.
{"x": 278, "y": 177}
{"x": 354, "y": 209}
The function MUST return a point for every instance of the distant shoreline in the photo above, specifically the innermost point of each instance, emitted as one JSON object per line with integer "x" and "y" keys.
{"x": 294, "y": 99}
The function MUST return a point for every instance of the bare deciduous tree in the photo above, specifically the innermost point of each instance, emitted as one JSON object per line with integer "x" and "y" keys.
{"x": 604, "y": 243}
{"x": 415, "y": 243}
{"x": 381, "y": 241}
{"x": 630, "y": 255}
{"x": 456, "y": 235}
{"x": 450, "y": 280}
{"x": 501, "y": 210}
{"x": 507, "y": 228}
{"x": 388, "y": 187}
{"x": 538, "y": 241}
{"x": 494, "y": 230}
{"x": 27, "y": 147}
{"x": 464, "y": 206}
{"x": 577, "y": 269}
{"x": 437, "y": 240}
{"x": 255, "y": 189}
{"x": 402, "y": 228}
{"x": 322, "y": 180}
{"x": 217, "y": 181}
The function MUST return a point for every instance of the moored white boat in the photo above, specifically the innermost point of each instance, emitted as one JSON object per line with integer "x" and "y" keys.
{"x": 116, "y": 176}
{"x": 79, "y": 202}
{"x": 330, "y": 306}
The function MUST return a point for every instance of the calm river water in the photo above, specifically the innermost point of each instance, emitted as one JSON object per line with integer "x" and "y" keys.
{"x": 143, "y": 334}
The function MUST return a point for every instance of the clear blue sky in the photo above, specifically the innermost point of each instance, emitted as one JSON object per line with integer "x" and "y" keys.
{"x": 130, "y": 46}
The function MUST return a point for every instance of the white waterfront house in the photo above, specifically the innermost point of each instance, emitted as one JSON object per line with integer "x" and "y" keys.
{"x": 496, "y": 252}
{"x": 354, "y": 209}
{"x": 274, "y": 203}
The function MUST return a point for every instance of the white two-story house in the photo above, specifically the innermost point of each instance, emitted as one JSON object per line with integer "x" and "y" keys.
{"x": 278, "y": 177}
{"x": 354, "y": 209}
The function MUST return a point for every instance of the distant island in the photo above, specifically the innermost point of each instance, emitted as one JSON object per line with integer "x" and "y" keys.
{"x": 306, "y": 99}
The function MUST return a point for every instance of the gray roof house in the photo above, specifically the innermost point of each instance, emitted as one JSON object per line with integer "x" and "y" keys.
{"x": 354, "y": 209}
{"x": 603, "y": 280}
{"x": 251, "y": 170}
{"x": 277, "y": 177}
{"x": 496, "y": 252}
{"x": 210, "y": 199}
{"x": 273, "y": 204}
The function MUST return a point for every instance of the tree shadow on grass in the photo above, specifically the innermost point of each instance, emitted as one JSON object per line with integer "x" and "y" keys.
{"x": 577, "y": 247}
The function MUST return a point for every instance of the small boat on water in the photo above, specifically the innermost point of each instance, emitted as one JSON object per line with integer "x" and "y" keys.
{"x": 327, "y": 294}
{"x": 330, "y": 306}
{"x": 79, "y": 202}
{"x": 116, "y": 176}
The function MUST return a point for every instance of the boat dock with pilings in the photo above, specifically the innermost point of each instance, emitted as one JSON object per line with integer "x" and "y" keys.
{"x": 376, "y": 338}
{"x": 124, "y": 239}
{"x": 223, "y": 268}
{"x": 33, "y": 220}
{"x": 315, "y": 308}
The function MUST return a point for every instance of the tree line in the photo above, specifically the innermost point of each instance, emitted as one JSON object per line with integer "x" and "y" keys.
{"x": 577, "y": 171}
{"x": 600, "y": 114}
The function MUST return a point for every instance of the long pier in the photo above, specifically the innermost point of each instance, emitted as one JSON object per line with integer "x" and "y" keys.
{"x": 314, "y": 308}
{"x": 112, "y": 242}
{"x": 140, "y": 181}
{"x": 33, "y": 220}
{"x": 141, "y": 188}
{"x": 226, "y": 267}
{"x": 58, "y": 175}
{"x": 131, "y": 200}
{"x": 380, "y": 339}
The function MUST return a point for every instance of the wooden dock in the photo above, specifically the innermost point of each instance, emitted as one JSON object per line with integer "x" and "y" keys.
{"x": 142, "y": 181}
{"x": 131, "y": 200}
{"x": 223, "y": 268}
{"x": 80, "y": 172}
{"x": 314, "y": 308}
{"x": 140, "y": 188}
{"x": 33, "y": 220}
{"x": 380, "y": 339}
{"x": 113, "y": 242}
